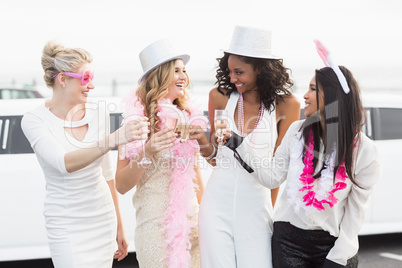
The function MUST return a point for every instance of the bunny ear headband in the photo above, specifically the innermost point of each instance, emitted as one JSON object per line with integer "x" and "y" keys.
{"x": 325, "y": 56}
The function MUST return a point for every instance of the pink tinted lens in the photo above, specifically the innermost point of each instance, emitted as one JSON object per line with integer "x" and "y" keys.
{"x": 87, "y": 77}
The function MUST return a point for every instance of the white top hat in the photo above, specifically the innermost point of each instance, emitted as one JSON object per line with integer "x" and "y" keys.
{"x": 251, "y": 42}
{"x": 158, "y": 53}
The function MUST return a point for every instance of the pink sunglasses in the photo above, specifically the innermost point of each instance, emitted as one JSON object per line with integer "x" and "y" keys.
{"x": 86, "y": 77}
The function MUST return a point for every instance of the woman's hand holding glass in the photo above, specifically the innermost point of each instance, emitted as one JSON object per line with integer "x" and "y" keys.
{"x": 223, "y": 136}
{"x": 196, "y": 132}
{"x": 221, "y": 124}
{"x": 133, "y": 130}
{"x": 160, "y": 141}
{"x": 183, "y": 131}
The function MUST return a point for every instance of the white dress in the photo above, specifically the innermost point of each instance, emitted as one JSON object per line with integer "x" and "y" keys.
{"x": 235, "y": 223}
{"x": 79, "y": 212}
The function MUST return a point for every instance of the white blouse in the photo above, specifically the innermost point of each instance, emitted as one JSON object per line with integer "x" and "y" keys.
{"x": 346, "y": 217}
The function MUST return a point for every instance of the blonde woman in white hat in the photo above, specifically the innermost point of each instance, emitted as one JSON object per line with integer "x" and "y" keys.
{"x": 166, "y": 197}
{"x": 70, "y": 137}
{"x": 235, "y": 220}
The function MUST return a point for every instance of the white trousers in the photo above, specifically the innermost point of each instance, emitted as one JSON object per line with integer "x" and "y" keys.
{"x": 235, "y": 225}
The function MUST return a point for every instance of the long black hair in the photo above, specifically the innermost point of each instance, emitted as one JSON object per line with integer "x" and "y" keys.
{"x": 344, "y": 115}
{"x": 272, "y": 81}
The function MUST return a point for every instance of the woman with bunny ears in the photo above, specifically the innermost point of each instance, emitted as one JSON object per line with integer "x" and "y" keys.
{"x": 330, "y": 168}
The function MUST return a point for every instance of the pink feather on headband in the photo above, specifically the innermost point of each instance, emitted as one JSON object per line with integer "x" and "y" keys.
{"x": 325, "y": 56}
{"x": 322, "y": 52}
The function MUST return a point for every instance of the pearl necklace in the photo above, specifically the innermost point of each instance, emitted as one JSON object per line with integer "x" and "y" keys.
{"x": 240, "y": 118}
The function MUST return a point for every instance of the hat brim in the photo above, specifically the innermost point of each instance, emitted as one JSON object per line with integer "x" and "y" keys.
{"x": 184, "y": 57}
{"x": 252, "y": 55}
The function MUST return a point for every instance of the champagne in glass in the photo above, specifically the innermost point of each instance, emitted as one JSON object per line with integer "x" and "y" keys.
{"x": 220, "y": 126}
{"x": 220, "y": 123}
{"x": 145, "y": 162}
{"x": 171, "y": 123}
{"x": 183, "y": 129}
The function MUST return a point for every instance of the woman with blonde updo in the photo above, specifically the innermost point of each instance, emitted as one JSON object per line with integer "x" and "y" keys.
{"x": 166, "y": 189}
{"x": 70, "y": 137}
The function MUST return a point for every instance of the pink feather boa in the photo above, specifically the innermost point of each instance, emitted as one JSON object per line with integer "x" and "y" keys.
{"x": 177, "y": 218}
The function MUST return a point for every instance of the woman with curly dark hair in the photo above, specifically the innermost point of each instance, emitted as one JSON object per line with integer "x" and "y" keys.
{"x": 253, "y": 86}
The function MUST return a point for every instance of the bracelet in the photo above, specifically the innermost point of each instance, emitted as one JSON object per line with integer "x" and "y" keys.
{"x": 101, "y": 148}
{"x": 212, "y": 154}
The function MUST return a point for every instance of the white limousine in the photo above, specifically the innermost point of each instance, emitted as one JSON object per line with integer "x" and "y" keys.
{"x": 22, "y": 186}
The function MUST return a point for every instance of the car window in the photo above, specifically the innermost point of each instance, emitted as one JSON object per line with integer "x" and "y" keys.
{"x": 367, "y": 124}
{"x": 14, "y": 94}
{"x": 6, "y": 94}
{"x": 115, "y": 123}
{"x": 9, "y": 93}
{"x": 29, "y": 94}
{"x": 13, "y": 140}
{"x": 390, "y": 123}
{"x": 367, "y": 127}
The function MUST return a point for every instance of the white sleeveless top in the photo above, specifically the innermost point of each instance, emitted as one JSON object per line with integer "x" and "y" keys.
{"x": 232, "y": 191}
{"x": 263, "y": 138}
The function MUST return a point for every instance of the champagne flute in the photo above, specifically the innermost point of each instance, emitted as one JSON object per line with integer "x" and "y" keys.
{"x": 171, "y": 123}
{"x": 183, "y": 129}
{"x": 145, "y": 162}
{"x": 221, "y": 123}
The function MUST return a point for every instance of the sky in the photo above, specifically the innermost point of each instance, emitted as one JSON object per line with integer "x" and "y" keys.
{"x": 363, "y": 35}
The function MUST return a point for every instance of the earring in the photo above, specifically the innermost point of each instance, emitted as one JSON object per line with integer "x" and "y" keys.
{"x": 64, "y": 85}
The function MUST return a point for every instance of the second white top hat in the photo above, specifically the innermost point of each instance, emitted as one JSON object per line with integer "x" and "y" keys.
{"x": 158, "y": 53}
{"x": 251, "y": 42}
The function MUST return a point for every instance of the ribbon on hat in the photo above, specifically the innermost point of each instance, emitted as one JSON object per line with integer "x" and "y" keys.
{"x": 325, "y": 56}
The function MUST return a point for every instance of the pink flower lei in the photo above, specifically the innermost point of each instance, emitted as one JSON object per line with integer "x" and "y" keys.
{"x": 308, "y": 181}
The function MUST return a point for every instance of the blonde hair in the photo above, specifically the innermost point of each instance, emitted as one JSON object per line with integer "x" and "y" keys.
{"x": 155, "y": 87}
{"x": 57, "y": 58}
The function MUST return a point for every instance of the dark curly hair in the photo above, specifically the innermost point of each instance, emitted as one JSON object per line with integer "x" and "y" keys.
{"x": 272, "y": 81}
